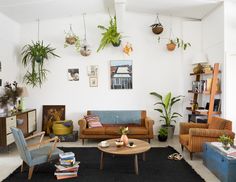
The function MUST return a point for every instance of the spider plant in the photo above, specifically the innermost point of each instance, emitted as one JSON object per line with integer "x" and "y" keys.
{"x": 34, "y": 55}
{"x": 110, "y": 34}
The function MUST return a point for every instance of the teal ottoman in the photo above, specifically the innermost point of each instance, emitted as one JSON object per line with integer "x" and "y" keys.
{"x": 217, "y": 162}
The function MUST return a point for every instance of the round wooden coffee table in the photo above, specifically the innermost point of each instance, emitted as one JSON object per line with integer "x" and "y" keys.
{"x": 140, "y": 148}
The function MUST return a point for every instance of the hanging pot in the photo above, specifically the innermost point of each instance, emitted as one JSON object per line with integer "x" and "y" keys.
{"x": 170, "y": 46}
{"x": 157, "y": 28}
{"x": 71, "y": 40}
{"x": 85, "y": 49}
{"x": 116, "y": 44}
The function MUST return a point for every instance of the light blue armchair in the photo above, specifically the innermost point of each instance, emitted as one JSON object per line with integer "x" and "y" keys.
{"x": 42, "y": 152}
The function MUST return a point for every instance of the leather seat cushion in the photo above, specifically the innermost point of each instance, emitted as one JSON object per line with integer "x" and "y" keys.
{"x": 94, "y": 131}
{"x": 184, "y": 139}
{"x": 133, "y": 130}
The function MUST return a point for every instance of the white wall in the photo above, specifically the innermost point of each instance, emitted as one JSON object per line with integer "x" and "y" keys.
{"x": 213, "y": 46}
{"x": 230, "y": 61}
{"x": 9, "y": 42}
{"x": 154, "y": 68}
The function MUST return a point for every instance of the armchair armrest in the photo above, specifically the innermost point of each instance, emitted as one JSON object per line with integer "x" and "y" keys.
{"x": 184, "y": 127}
{"x": 149, "y": 125}
{"x": 82, "y": 124}
{"x": 211, "y": 133}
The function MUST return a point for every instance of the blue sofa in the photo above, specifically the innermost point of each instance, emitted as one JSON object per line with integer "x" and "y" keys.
{"x": 140, "y": 126}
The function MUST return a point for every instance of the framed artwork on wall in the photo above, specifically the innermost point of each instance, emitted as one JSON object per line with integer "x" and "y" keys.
{"x": 121, "y": 74}
{"x": 93, "y": 70}
{"x": 52, "y": 113}
{"x": 73, "y": 74}
{"x": 93, "y": 81}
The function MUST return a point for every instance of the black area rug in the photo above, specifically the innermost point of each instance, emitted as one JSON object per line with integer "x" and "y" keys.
{"x": 156, "y": 168}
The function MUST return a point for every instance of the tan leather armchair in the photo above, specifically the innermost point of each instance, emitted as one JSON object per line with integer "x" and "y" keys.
{"x": 193, "y": 135}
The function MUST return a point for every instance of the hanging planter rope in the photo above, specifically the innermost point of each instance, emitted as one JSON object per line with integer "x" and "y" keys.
{"x": 85, "y": 47}
{"x": 157, "y": 27}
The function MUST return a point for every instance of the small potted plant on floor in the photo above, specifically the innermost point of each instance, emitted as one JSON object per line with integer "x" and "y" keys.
{"x": 162, "y": 134}
{"x": 165, "y": 109}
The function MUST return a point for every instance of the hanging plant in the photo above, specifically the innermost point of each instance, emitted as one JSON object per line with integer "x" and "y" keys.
{"x": 110, "y": 34}
{"x": 35, "y": 56}
{"x": 72, "y": 39}
{"x": 172, "y": 43}
{"x": 157, "y": 27}
{"x": 85, "y": 47}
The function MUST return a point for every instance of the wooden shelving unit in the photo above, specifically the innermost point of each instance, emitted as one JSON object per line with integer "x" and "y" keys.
{"x": 211, "y": 93}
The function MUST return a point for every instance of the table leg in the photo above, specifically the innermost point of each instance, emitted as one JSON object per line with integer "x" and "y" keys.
{"x": 144, "y": 156}
{"x": 101, "y": 161}
{"x": 136, "y": 164}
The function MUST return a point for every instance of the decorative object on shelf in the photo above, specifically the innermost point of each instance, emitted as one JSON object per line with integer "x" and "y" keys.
{"x": 200, "y": 61}
{"x": 226, "y": 141}
{"x": 157, "y": 27}
{"x": 162, "y": 134}
{"x": 52, "y": 113}
{"x": 127, "y": 49}
{"x": 85, "y": 47}
{"x": 9, "y": 97}
{"x": 124, "y": 131}
{"x": 121, "y": 74}
{"x": 110, "y": 34}
{"x": 34, "y": 55}
{"x": 165, "y": 109}
{"x": 73, "y": 74}
{"x": 72, "y": 39}
{"x": 21, "y": 102}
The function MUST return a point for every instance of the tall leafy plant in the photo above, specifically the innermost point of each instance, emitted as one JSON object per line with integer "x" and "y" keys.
{"x": 165, "y": 105}
{"x": 110, "y": 34}
{"x": 34, "y": 55}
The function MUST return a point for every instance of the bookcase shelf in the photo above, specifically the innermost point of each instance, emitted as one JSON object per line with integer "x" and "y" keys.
{"x": 211, "y": 92}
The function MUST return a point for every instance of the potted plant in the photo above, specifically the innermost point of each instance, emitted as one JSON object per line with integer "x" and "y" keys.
{"x": 165, "y": 109}
{"x": 9, "y": 96}
{"x": 124, "y": 131}
{"x": 157, "y": 27}
{"x": 162, "y": 134}
{"x": 226, "y": 141}
{"x": 110, "y": 34}
{"x": 35, "y": 55}
{"x": 172, "y": 43}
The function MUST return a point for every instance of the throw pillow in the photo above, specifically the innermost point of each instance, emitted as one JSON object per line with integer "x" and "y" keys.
{"x": 93, "y": 121}
{"x": 217, "y": 124}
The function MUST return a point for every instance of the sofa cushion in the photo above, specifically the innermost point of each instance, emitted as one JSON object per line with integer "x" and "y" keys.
{"x": 133, "y": 130}
{"x": 93, "y": 121}
{"x": 217, "y": 124}
{"x": 94, "y": 131}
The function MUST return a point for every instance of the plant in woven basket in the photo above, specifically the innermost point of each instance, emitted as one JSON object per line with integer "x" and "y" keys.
{"x": 110, "y": 34}
{"x": 34, "y": 55}
{"x": 157, "y": 27}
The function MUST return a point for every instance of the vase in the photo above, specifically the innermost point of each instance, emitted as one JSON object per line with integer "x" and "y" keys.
{"x": 124, "y": 139}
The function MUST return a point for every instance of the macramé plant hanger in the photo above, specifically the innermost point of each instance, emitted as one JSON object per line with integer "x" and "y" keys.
{"x": 33, "y": 57}
{"x": 85, "y": 47}
{"x": 72, "y": 39}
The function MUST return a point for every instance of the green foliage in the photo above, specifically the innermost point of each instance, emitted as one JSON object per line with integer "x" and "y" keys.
{"x": 224, "y": 139}
{"x": 163, "y": 132}
{"x": 110, "y": 34}
{"x": 10, "y": 94}
{"x": 180, "y": 43}
{"x": 123, "y": 130}
{"x": 35, "y": 55}
{"x": 165, "y": 107}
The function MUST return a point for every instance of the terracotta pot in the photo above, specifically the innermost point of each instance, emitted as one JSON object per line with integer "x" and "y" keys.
{"x": 170, "y": 46}
{"x": 124, "y": 139}
{"x": 157, "y": 30}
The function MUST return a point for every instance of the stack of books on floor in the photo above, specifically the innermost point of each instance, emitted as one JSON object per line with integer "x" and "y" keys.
{"x": 67, "y": 167}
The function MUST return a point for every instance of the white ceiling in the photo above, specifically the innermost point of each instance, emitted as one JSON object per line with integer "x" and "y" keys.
{"x": 29, "y": 10}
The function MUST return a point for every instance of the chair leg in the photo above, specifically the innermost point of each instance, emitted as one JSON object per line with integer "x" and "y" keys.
{"x": 191, "y": 155}
{"x": 82, "y": 141}
{"x": 22, "y": 167}
{"x": 31, "y": 169}
{"x": 149, "y": 140}
{"x": 182, "y": 147}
